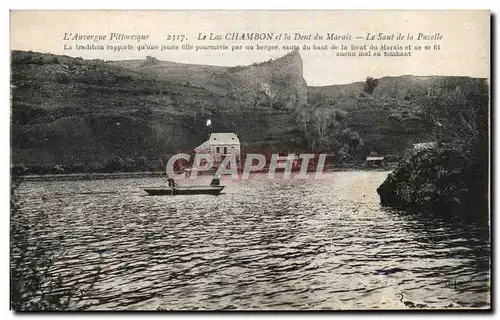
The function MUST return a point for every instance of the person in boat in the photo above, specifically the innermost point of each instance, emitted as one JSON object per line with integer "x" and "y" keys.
{"x": 215, "y": 182}
{"x": 171, "y": 183}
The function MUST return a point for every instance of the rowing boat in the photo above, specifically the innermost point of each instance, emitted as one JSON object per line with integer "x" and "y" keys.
{"x": 187, "y": 190}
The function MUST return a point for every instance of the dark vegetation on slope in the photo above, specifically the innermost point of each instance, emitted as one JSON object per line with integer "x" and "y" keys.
{"x": 79, "y": 115}
{"x": 450, "y": 180}
{"x": 75, "y": 115}
{"x": 397, "y": 114}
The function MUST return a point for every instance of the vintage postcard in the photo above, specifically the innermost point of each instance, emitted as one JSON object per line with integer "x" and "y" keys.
{"x": 250, "y": 160}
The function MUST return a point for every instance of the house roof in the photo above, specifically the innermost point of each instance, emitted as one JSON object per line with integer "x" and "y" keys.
{"x": 374, "y": 158}
{"x": 224, "y": 138}
{"x": 203, "y": 148}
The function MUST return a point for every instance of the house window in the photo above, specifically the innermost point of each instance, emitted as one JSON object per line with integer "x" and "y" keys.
{"x": 225, "y": 150}
{"x": 217, "y": 149}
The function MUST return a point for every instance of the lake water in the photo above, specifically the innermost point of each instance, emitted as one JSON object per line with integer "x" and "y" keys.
{"x": 262, "y": 245}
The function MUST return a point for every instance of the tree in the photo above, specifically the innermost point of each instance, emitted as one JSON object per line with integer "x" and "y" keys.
{"x": 460, "y": 118}
{"x": 370, "y": 85}
{"x": 304, "y": 116}
{"x": 115, "y": 164}
{"x": 152, "y": 59}
{"x": 351, "y": 138}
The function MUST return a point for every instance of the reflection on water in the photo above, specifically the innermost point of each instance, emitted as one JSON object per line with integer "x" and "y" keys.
{"x": 261, "y": 245}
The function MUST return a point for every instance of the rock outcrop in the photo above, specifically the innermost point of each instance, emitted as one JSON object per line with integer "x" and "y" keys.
{"x": 439, "y": 181}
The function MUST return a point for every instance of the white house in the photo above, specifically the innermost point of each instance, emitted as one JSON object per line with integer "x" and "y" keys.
{"x": 221, "y": 145}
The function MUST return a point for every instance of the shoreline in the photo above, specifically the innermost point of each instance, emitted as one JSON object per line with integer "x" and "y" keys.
{"x": 153, "y": 174}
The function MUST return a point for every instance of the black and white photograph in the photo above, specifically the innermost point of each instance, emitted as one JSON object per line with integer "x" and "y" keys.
{"x": 250, "y": 160}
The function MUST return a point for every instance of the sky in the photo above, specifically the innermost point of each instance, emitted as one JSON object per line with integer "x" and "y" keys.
{"x": 464, "y": 48}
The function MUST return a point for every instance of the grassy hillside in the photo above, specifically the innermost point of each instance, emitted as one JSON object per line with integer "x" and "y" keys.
{"x": 76, "y": 112}
{"x": 395, "y": 115}
{"x": 110, "y": 115}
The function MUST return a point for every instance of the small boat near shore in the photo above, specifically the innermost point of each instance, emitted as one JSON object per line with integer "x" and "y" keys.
{"x": 174, "y": 189}
{"x": 183, "y": 190}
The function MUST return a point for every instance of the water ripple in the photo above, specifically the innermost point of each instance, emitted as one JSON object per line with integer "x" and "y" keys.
{"x": 261, "y": 245}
